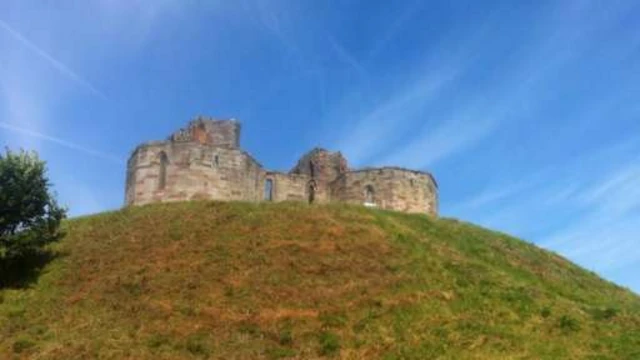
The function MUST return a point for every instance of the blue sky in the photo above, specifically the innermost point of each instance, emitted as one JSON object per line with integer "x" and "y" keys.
{"x": 527, "y": 112}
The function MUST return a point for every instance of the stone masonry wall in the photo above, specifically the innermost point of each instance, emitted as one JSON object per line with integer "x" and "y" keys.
{"x": 193, "y": 171}
{"x": 286, "y": 187}
{"x": 204, "y": 161}
{"x": 323, "y": 167}
{"x": 205, "y": 131}
{"x": 392, "y": 188}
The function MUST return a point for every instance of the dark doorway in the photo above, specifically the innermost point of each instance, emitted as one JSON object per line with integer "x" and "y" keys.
{"x": 162, "y": 176}
{"x": 312, "y": 191}
{"x": 369, "y": 199}
{"x": 268, "y": 190}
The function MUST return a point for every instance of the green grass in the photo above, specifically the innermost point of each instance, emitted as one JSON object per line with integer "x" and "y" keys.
{"x": 199, "y": 280}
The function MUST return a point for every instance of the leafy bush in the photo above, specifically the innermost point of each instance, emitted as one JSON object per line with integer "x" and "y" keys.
{"x": 196, "y": 345}
{"x": 329, "y": 343}
{"x": 22, "y": 344}
{"x": 606, "y": 313}
{"x": 567, "y": 323}
{"x": 156, "y": 341}
{"x": 545, "y": 312}
{"x": 29, "y": 214}
{"x": 285, "y": 337}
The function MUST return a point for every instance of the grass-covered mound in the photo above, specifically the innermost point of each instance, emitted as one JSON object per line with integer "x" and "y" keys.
{"x": 271, "y": 281}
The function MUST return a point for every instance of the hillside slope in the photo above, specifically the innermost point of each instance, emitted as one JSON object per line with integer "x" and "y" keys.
{"x": 268, "y": 281}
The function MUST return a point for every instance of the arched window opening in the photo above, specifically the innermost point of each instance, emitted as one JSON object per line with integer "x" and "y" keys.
{"x": 268, "y": 190}
{"x": 216, "y": 161}
{"x": 312, "y": 169}
{"x": 369, "y": 199}
{"x": 312, "y": 191}
{"x": 162, "y": 176}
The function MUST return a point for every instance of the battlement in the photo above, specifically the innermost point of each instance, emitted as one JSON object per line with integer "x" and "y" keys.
{"x": 205, "y": 161}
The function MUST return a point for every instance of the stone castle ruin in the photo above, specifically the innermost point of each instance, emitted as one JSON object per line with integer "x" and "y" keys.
{"x": 205, "y": 161}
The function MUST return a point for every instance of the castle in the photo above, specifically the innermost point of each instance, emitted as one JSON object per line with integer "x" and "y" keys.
{"x": 205, "y": 161}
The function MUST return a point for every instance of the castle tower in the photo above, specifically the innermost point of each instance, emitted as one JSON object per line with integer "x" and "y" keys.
{"x": 322, "y": 167}
{"x": 207, "y": 131}
{"x": 202, "y": 161}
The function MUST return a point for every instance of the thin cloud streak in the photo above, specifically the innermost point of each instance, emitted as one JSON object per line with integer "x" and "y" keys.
{"x": 373, "y": 129}
{"x": 55, "y": 63}
{"x": 346, "y": 57}
{"x": 447, "y": 134}
{"x": 395, "y": 28}
{"x": 604, "y": 213}
{"x": 448, "y": 138}
{"x": 603, "y": 243}
{"x": 62, "y": 142}
{"x": 370, "y": 136}
{"x": 492, "y": 196}
{"x": 612, "y": 201}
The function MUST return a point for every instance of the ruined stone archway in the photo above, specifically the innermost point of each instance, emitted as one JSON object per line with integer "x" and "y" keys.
{"x": 311, "y": 188}
{"x": 369, "y": 196}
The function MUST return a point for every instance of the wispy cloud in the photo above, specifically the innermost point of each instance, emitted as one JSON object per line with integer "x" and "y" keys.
{"x": 522, "y": 86}
{"x": 346, "y": 57}
{"x": 491, "y": 196}
{"x": 62, "y": 68}
{"x": 407, "y": 109}
{"x": 373, "y": 128}
{"x": 269, "y": 16}
{"x": 395, "y": 27}
{"x": 593, "y": 221}
{"x": 435, "y": 143}
{"x": 62, "y": 142}
{"x": 612, "y": 219}
{"x": 616, "y": 194}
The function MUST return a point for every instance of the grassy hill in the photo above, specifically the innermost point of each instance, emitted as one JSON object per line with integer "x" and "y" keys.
{"x": 274, "y": 281}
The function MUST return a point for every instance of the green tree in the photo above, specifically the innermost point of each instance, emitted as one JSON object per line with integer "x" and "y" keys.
{"x": 29, "y": 214}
